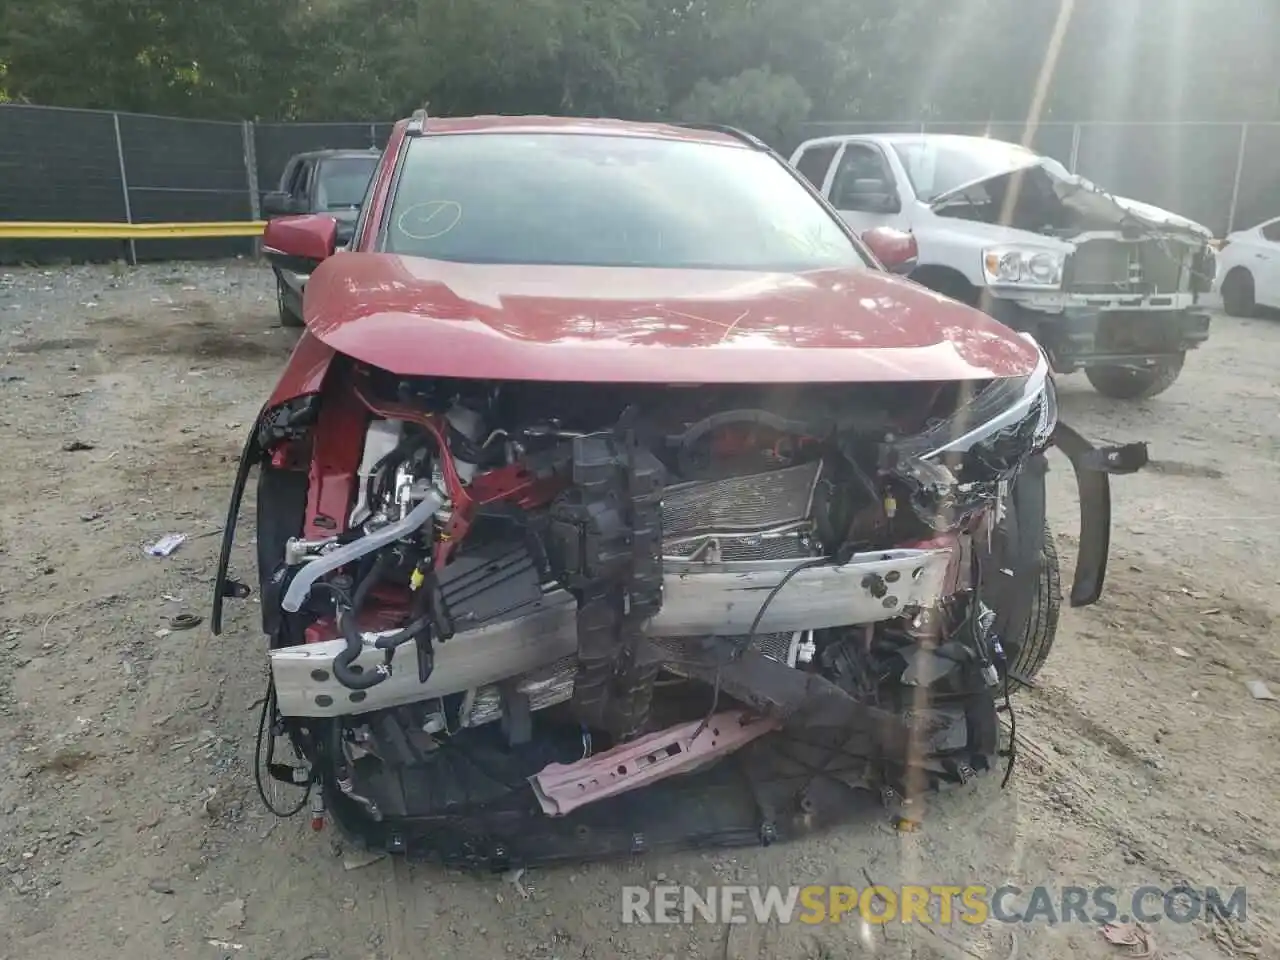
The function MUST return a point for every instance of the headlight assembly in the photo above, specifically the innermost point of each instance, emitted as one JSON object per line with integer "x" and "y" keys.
{"x": 961, "y": 463}
{"x": 1024, "y": 409}
{"x": 1020, "y": 267}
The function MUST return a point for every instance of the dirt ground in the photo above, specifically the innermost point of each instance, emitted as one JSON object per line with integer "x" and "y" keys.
{"x": 129, "y": 826}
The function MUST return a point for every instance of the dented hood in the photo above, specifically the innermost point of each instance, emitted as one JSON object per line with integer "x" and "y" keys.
{"x": 1088, "y": 199}
{"x": 419, "y": 317}
{"x": 1159, "y": 217}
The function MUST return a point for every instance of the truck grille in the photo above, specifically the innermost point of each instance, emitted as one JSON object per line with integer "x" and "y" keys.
{"x": 1130, "y": 267}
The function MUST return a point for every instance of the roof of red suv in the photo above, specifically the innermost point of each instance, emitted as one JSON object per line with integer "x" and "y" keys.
{"x": 586, "y": 125}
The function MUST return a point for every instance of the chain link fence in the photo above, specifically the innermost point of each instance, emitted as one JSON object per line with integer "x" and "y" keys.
{"x": 85, "y": 166}
{"x": 67, "y": 165}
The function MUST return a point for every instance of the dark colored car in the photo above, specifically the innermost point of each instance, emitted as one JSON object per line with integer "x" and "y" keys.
{"x": 617, "y": 496}
{"x": 331, "y": 182}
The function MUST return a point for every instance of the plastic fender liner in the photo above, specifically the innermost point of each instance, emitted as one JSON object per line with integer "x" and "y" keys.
{"x": 1092, "y": 466}
{"x": 222, "y": 586}
{"x": 286, "y": 421}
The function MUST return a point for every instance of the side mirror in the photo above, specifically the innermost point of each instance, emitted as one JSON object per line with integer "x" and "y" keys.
{"x": 895, "y": 249}
{"x": 300, "y": 244}
{"x": 277, "y": 203}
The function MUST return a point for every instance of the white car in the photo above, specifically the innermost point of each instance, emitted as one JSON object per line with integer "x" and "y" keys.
{"x": 1106, "y": 284}
{"x": 1249, "y": 269}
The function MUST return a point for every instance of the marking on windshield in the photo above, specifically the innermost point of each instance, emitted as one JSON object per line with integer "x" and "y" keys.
{"x": 729, "y": 329}
{"x": 437, "y": 212}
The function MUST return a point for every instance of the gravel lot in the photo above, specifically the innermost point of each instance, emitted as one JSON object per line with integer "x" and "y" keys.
{"x": 128, "y": 820}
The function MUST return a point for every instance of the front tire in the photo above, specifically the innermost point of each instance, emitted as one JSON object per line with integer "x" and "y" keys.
{"x": 949, "y": 283}
{"x": 1028, "y": 655}
{"x": 1136, "y": 383}
{"x": 281, "y": 510}
{"x": 1238, "y": 294}
{"x": 287, "y": 317}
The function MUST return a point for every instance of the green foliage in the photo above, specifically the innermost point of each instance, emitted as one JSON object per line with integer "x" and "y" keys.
{"x": 765, "y": 64}
{"x": 771, "y": 106}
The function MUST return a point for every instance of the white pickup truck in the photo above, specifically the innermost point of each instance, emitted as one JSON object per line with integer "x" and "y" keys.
{"x": 1108, "y": 285}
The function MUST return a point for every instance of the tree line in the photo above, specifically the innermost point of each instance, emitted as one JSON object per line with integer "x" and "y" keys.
{"x": 768, "y": 65}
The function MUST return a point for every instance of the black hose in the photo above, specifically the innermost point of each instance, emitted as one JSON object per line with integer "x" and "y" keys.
{"x": 422, "y": 614}
{"x": 467, "y": 450}
{"x": 403, "y": 635}
{"x": 343, "y": 671}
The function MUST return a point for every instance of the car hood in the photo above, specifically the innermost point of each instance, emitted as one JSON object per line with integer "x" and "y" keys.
{"x": 1088, "y": 199}
{"x": 419, "y": 317}
{"x": 1014, "y": 163}
{"x": 1162, "y": 217}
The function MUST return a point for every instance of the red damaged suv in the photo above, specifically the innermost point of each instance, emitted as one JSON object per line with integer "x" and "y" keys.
{"x": 617, "y": 497}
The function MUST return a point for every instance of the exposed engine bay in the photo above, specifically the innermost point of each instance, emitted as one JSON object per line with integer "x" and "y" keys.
{"x": 520, "y": 621}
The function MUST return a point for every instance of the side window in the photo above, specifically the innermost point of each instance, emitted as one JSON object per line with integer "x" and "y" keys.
{"x": 813, "y": 163}
{"x": 862, "y": 172}
{"x": 290, "y": 176}
{"x": 1272, "y": 231}
{"x": 362, "y": 218}
{"x": 302, "y": 183}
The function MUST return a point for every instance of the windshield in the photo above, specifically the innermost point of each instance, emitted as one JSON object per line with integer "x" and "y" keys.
{"x": 617, "y": 201}
{"x": 936, "y": 166}
{"x": 343, "y": 181}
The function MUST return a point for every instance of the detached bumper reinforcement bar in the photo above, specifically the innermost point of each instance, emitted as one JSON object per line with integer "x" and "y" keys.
{"x": 562, "y": 788}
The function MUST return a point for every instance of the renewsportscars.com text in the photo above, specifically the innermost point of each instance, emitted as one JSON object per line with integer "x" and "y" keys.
{"x": 932, "y": 904}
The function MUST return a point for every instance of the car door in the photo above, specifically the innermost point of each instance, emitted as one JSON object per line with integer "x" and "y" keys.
{"x": 300, "y": 189}
{"x": 290, "y": 174}
{"x": 814, "y": 161}
{"x": 862, "y": 188}
{"x": 279, "y": 202}
{"x": 1266, "y": 257}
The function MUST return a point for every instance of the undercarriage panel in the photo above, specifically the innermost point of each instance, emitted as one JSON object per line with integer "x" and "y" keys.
{"x": 780, "y": 787}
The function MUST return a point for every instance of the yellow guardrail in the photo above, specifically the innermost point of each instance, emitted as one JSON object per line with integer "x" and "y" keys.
{"x": 32, "y": 230}
{"x": 35, "y": 230}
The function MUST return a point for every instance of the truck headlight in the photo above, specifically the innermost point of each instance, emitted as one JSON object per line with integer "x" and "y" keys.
{"x": 1019, "y": 267}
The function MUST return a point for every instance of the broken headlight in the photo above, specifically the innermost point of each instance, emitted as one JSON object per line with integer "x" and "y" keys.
{"x": 1002, "y": 425}
{"x": 960, "y": 464}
